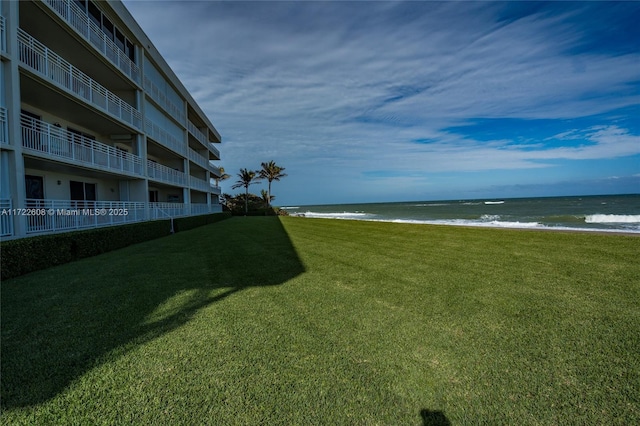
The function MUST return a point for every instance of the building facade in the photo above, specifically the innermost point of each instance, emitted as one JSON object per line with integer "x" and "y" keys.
{"x": 95, "y": 128}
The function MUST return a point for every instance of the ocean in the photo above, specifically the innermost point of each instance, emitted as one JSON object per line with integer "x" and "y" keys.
{"x": 613, "y": 213}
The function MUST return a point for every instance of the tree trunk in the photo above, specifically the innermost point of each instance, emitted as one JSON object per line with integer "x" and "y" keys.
{"x": 246, "y": 201}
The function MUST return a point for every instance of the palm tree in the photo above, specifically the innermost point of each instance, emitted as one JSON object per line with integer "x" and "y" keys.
{"x": 270, "y": 171}
{"x": 223, "y": 176}
{"x": 266, "y": 198}
{"x": 247, "y": 177}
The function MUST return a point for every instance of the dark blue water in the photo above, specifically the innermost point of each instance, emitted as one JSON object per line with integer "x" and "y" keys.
{"x": 605, "y": 213}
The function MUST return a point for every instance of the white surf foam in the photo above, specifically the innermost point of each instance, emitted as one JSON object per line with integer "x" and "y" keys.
{"x": 612, "y": 218}
{"x": 487, "y": 221}
{"x": 343, "y": 215}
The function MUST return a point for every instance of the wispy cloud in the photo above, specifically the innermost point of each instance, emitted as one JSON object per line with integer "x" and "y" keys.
{"x": 333, "y": 84}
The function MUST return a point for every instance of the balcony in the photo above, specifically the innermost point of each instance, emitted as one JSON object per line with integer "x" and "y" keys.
{"x": 202, "y": 138}
{"x": 168, "y": 210}
{"x": 4, "y": 136}
{"x": 65, "y": 215}
{"x": 161, "y": 136}
{"x": 37, "y": 57}
{"x": 215, "y": 169}
{"x": 198, "y": 159}
{"x": 198, "y": 184}
{"x": 197, "y": 133}
{"x": 77, "y": 19}
{"x": 213, "y": 188}
{"x": 161, "y": 99}
{"x": 214, "y": 150}
{"x": 6, "y": 220}
{"x": 68, "y": 215}
{"x": 57, "y": 143}
{"x": 165, "y": 174}
{"x": 198, "y": 209}
{"x": 3, "y": 34}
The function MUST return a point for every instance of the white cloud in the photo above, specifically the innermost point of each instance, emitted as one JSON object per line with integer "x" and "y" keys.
{"x": 334, "y": 85}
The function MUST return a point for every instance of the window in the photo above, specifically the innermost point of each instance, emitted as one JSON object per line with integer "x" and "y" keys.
{"x": 34, "y": 187}
{"x": 153, "y": 196}
{"x": 107, "y": 27}
{"x": 82, "y": 191}
{"x": 82, "y": 4}
{"x": 94, "y": 14}
{"x": 119, "y": 39}
{"x": 130, "y": 51}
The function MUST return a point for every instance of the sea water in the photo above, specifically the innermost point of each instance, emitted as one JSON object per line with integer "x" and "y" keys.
{"x": 598, "y": 213}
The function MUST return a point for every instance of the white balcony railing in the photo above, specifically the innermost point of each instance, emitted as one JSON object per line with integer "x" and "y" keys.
{"x": 162, "y": 100}
{"x": 6, "y": 220}
{"x": 202, "y": 138}
{"x": 64, "y": 215}
{"x": 4, "y": 136}
{"x": 198, "y": 209}
{"x": 199, "y": 184}
{"x": 213, "y": 149}
{"x": 197, "y": 133}
{"x": 214, "y": 169}
{"x": 79, "y": 20}
{"x": 3, "y": 34}
{"x": 163, "y": 137}
{"x": 198, "y": 159}
{"x": 166, "y": 210}
{"x": 49, "y": 65}
{"x": 44, "y": 138}
{"x": 165, "y": 174}
{"x": 48, "y": 216}
{"x": 214, "y": 189}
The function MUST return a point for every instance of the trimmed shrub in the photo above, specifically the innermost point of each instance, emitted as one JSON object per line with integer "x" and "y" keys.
{"x": 30, "y": 254}
{"x": 186, "y": 223}
{"x": 257, "y": 212}
{"x": 19, "y": 257}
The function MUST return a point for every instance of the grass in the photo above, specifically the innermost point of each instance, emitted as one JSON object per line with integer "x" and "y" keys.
{"x": 307, "y": 321}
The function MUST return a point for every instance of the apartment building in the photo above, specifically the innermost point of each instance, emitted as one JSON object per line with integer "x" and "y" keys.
{"x": 95, "y": 128}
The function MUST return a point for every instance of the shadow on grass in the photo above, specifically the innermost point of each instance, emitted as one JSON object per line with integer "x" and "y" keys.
{"x": 434, "y": 418}
{"x": 60, "y": 323}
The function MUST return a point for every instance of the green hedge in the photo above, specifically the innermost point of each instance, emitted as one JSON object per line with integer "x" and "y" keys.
{"x": 26, "y": 255}
{"x": 186, "y": 223}
{"x": 273, "y": 211}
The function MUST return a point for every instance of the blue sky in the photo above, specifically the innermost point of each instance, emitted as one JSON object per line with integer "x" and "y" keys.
{"x": 395, "y": 101}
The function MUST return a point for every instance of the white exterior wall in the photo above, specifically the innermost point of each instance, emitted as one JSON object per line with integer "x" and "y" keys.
{"x": 53, "y": 191}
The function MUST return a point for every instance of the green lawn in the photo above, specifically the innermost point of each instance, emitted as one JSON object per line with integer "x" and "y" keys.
{"x": 288, "y": 321}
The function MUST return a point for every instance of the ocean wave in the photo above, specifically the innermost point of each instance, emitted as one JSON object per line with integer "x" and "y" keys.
{"x": 431, "y": 205}
{"x": 612, "y": 218}
{"x": 493, "y": 221}
{"x": 343, "y": 215}
{"x": 290, "y": 208}
{"x": 469, "y": 222}
{"x": 494, "y": 202}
